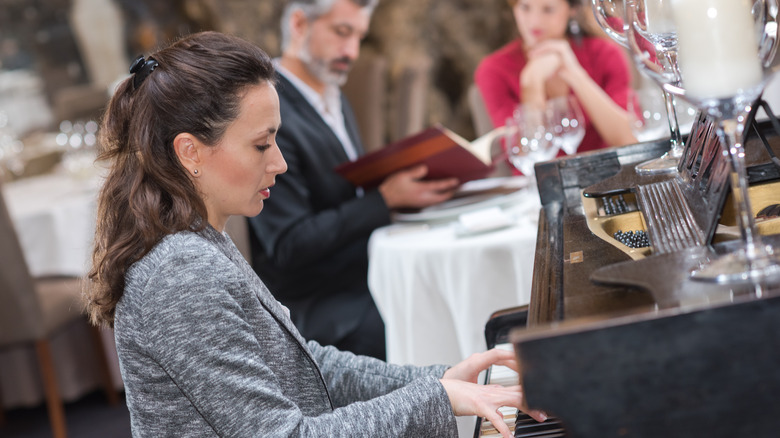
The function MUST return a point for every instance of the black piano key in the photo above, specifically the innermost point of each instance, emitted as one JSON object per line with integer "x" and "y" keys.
{"x": 527, "y": 427}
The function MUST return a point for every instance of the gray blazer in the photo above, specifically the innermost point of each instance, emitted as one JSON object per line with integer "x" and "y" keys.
{"x": 205, "y": 350}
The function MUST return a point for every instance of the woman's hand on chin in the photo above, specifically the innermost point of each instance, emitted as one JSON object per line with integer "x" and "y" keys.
{"x": 534, "y": 76}
{"x": 569, "y": 65}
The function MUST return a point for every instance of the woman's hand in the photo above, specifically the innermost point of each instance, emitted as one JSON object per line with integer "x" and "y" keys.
{"x": 611, "y": 121}
{"x": 539, "y": 69}
{"x": 406, "y": 189}
{"x": 469, "y": 369}
{"x": 541, "y": 66}
{"x": 469, "y": 398}
{"x": 484, "y": 401}
{"x": 569, "y": 66}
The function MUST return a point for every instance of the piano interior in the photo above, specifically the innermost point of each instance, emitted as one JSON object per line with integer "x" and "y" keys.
{"x": 618, "y": 220}
{"x": 618, "y": 340}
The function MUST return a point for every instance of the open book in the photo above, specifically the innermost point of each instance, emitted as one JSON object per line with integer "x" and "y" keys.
{"x": 444, "y": 152}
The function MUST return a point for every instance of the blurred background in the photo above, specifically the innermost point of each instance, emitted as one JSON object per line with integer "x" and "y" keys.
{"x": 59, "y": 58}
{"x": 59, "y": 61}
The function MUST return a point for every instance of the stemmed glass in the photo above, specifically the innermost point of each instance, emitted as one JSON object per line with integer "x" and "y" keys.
{"x": 647, "y": 112}
{"x": 529, "y": 138}
{"x": 610, "y": 15}
{"x": 723, "y": 70}
{"x": 11, "y": 164}
{"x": 567, "y": 123}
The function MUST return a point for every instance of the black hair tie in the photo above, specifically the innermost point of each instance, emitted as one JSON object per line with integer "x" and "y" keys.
{"x": 141, "y": 68}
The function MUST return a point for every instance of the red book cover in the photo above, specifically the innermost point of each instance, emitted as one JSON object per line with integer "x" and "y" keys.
{"x": 445, "y": 153}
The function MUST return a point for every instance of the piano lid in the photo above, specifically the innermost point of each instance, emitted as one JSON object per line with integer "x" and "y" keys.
{"x": 700, "y": 372}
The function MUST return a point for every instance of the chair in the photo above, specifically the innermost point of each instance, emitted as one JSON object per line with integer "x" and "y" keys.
{"x": 32, "y": 311}
{"x": 384, "y": 118}
{"x": 409, "y": 103}
{"x": 483, "y": 125}
{"x": 479, "y": 114}
{"x": 366, "y": 92}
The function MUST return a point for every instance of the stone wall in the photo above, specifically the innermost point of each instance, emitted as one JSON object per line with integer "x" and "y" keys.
{"x": 452, "y": 36}
{"x": 447, "y": 37}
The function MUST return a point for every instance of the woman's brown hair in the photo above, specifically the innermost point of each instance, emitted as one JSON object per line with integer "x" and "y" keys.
{"x": 196, "y": 87}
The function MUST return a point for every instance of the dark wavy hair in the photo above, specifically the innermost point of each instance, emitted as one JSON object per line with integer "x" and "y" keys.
{"x": 197, "y": 88}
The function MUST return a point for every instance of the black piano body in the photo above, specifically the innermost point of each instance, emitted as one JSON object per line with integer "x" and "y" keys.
{"x": 621, "y": 342}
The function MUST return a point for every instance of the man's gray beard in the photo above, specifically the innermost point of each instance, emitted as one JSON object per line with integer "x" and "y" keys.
{"x": 319, "y": 68}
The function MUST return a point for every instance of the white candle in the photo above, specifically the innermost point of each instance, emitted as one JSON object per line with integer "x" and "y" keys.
{"x": 718, "y": 51}
{"x": 658, "y": 17}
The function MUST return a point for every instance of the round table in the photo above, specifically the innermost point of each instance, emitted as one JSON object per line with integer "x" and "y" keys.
{"x": 436, "y": 288}
{"x": 54, "y": 217}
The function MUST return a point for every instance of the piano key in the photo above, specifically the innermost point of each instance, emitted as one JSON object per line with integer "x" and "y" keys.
{"x": 523, "y": 425}
{"x": 527, "y": 427}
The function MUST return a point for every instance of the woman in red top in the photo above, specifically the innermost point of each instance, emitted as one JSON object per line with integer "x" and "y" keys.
{"x": 552, "y": 58}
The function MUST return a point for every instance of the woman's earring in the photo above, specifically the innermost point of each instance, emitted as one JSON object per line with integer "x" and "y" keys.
{"x": 195, "y": 172}
{"x": 574, "y": 30}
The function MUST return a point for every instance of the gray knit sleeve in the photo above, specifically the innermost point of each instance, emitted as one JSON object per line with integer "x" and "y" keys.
{"x": 357, "y": 378}
{"x": 192, "y": 322}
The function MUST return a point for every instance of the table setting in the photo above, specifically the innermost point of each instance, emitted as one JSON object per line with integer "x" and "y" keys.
{"x": 53, "y": 205}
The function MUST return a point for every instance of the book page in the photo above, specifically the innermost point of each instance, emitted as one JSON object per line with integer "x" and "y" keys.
{"x": 482, "y": 146}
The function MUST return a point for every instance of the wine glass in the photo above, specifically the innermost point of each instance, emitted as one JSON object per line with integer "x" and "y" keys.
{"x": 610, "y": 15}
{"x": 647, "y": 112}
{"x": 566, "y": 122}
{"x": 723, "y": 68}
{"x": 11, "y": 163}
{"x": 528, "y": 139}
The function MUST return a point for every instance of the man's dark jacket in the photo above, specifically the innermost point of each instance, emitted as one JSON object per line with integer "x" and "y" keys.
{"x": 309, "y": 244}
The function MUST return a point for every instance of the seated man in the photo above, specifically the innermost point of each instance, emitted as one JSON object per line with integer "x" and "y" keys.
{"x": 310, "y": 243}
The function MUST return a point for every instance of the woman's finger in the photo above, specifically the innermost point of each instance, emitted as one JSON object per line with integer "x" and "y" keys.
{"x": 536, "y": 414}
{"x": 497, "y": 420}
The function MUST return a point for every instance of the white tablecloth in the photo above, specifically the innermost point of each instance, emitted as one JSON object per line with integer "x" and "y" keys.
{"x": 436, "y": 290}
{"x": 54, "y": 217}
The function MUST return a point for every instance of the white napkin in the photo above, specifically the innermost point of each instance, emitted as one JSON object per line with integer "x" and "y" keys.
{"x": 481, "y": 221}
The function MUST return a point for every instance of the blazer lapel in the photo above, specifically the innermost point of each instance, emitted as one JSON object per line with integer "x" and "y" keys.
{"x": 264, "y": 296}
{"x": 274, "y": 307}
{"x": 351, "y": 124}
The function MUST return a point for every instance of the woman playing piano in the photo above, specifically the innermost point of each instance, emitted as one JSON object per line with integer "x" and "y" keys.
{"x": 204, "y": 348}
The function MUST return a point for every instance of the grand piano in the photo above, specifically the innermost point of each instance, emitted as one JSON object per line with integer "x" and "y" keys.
{"x": 618, "y": 340}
